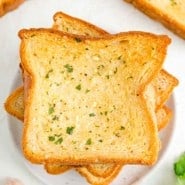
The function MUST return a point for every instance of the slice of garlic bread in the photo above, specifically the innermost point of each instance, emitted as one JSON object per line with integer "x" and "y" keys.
{"x": 85, "y": 82}
{"x": 169, "y": 12}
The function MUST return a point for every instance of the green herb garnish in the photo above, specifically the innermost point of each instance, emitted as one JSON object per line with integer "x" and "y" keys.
{"x": 48, "y": 73}
{"x": 69, "y": 68}
{"x": 173, "y": 2}
{"x": 55, "y": 118}
{"x": 92, "y": 115}
{"x": 107, "y": 76}
{"x": 87, "y": 90}
{"x": 122, "y": 128}
{"x": 51, "y": 138}
{"x": 59, "y": 141}
{"x": 115, "y": 71}
{"x": 89, "y": 141}
{"x": 179, "y": 169}
{"x": 78, "y": 87}
{"x": 69, "y": 130}
{"x": 50, "y": 110}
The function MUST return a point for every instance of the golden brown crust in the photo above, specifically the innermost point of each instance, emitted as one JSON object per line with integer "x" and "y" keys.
{"x": 94, "y": 180}
{"x": 101, "y": 170}
{"x": 83, "y": 27}
{"x": 155, "y": 13}
{"x": 8, "y": 5}
{"x": 166, "y": 83}
{"x": 14, "y": 104}
{"x": 56, "y": 169}
{"x": 165, "y": 113}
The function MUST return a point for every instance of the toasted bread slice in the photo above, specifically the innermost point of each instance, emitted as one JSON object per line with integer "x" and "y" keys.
{"x": 163, "y": 117}
{"x": 134, "y": 67}
{"x": 14, "y": 104}
{"x": 94, "y": 180}
{"x": 163, "y": 91}
{"x": 56, "y": 169}
{"x": 169, "y": 12}
{"x": 8, "y": 5}
{"x": 69, "y": 24}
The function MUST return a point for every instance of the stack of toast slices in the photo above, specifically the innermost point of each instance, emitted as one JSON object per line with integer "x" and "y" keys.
{"x": 90, "y": 100}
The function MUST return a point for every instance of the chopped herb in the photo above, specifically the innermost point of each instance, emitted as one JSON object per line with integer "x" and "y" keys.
{"x": 107, "y": 76}
{"x": 58, "y": 135}
{"x": 51, "y": 138}
{"x": 130, "y": 77}
{"x": 122, "y": 128}
{"x": 117, "y": 134}
{"x": 115, "y": 71}
{"x": 89, "y": 141}
{"x": 33, "y": 35}
{"x": 100, "y": 67}
{"x": 77, "y": 39}
{"x": 48, "y": 73}
{"x": 69, "y": 68}
{"x": 105, "y": 113}
{"x": 100, "y": 140}
{"x": 69, "y": 130}
{"x": 87, "y": 90}
{"x": 55, "y": 118}
{"x": 51, "y": 110}
{"x": 92, "y": 115}
{"x": 179, "y": 169}
{"x": 59, "y": 141}
{"x": 74, "y": 142}
{"x": 119, "y": 58}
{"x": 86, "y": 48}
{"x": 78, "y": 87}
{"x": 173, "y": 2}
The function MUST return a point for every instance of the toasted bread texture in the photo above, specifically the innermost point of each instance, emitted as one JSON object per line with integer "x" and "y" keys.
{"x": 69, "y": 24}
{"x": 169, "y": 12}
{"x": 56, "y": 169}
{"x": 15, "y": 107}
{"x": 163, "y": 117}
{"x": 14, "y": 104}
{"x": 95, "y": 180}
{"x": 134, "y": 67}
{"x": 8, "y": 5}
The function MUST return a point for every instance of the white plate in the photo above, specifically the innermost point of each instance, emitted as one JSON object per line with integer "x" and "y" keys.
{"x": 112, "y": 15}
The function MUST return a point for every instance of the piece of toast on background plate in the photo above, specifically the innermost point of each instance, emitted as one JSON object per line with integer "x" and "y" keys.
{"x": 9, "y": 5}
{"x": 169, "y": 12}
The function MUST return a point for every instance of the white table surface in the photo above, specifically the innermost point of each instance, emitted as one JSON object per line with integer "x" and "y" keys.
{"x": 114, "y": 16}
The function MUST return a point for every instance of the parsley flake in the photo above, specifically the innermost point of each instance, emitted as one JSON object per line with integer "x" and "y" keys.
{"x": 69, "y": 130}
{"x": 50, "y": 110}
{"x": 89, "y": 141}
{"x": 78, "y": 87}
{"x": 92, "y": 115}
{"x": 59, "y": 141}
{"x": 69, "y": 68}
{"x": 51, "y": 138}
